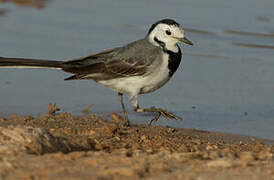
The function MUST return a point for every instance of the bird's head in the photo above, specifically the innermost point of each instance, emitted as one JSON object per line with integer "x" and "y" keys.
{"x": 167, "y": 33}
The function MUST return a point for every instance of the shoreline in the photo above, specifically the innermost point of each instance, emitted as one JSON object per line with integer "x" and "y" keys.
{"x": 60, "y": 146}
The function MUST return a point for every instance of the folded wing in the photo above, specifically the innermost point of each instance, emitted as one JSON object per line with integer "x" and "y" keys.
{"x": 131, "y": 60}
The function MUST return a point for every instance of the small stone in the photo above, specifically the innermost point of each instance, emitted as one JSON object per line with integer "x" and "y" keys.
{"x": 143, "y": 137}
{"x": 86, "y": 109}
{"x": 97, "y": 146}
{"x": 116, "y": 118}
{"x": 211, "y": 147}
{"x": 117, "y": 138}
{"x": 149, "y": 150}
{"x": 171, "y": 130}
{"x": 28, "y": 118}
{"x": 197, "y": 142}
{"x": 65, "y": 115}
{"x": 52, "y": 130}
{"x": 110, "y": 129}
{"x": 129, "y": 153}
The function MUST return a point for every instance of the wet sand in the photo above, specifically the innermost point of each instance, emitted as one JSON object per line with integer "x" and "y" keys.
{"x": 63, "y": 146}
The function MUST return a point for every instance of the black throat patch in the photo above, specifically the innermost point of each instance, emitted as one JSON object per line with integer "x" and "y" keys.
{"x": 174, "y": 59}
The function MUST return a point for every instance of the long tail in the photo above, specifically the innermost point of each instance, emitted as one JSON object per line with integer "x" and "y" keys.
{"x": 29, "y": 63}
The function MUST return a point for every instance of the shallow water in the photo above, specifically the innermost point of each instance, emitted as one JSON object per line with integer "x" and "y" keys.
{"x": 224, "y": 84}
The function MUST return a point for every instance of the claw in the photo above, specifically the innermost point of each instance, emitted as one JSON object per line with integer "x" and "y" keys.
{"x": 155, "y": 118}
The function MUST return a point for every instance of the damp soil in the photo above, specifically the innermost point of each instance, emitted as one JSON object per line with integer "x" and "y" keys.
{"x": 63, "y": 146}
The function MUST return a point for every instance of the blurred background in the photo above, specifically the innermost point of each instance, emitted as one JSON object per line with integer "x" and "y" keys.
{"x": 225, "y": 82}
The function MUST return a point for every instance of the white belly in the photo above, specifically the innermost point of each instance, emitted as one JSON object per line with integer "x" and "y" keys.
{"x": 141, "y": 84}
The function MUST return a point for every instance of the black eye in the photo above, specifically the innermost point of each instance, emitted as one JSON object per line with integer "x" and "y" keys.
{"x": 168, "y": 32}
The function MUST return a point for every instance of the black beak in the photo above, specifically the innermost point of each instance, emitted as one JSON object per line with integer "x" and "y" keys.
{"x": 185, "y": 40}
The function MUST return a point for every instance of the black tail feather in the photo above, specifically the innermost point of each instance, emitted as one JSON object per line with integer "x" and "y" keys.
{"x": 15, "y": 62}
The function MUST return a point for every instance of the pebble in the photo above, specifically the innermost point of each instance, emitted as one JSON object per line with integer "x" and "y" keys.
{"x": 116, "y": 118}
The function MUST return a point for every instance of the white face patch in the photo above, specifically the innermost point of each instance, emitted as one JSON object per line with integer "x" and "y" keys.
{"x": 168, "y": 34}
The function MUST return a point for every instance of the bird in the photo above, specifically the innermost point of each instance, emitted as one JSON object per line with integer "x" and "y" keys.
{"x": 139, "y": 67}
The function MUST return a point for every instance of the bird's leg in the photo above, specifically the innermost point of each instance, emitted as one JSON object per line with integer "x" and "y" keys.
{"x": 124, "y": 109}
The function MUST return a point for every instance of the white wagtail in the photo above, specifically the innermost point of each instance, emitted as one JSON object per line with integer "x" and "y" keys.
{"x": 140, "y": 67}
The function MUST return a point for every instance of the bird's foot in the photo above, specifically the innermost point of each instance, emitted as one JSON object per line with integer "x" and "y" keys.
{"x": 160, "y": 112}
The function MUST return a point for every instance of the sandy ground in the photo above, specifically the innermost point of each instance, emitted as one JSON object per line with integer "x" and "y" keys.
{"x": 62, "y": 146}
